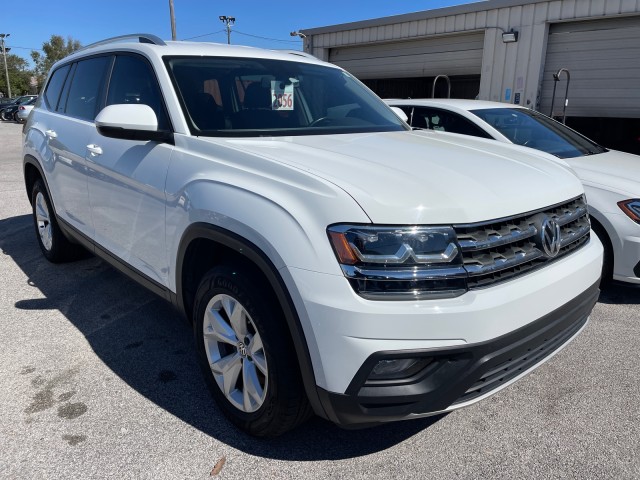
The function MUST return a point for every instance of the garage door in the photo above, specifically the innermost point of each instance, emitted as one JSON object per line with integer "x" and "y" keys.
{"x": 446, "y": 55}
{"x": 603, "y": 58}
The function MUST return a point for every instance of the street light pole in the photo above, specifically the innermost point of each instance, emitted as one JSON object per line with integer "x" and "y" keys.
{"x": 4, "y": 56}
{"x": 173, "y": 21}
{"x": 302, "y": 36}
{"x": 228, "y": 21}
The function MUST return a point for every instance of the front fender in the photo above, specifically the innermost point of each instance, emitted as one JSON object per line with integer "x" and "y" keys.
{"x": 281, "y": 209}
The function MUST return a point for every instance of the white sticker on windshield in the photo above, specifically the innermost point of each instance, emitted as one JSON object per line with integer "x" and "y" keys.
{"x": 281, "y": 95}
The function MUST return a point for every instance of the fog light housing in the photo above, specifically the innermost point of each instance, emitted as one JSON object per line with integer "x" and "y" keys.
{"x": 397, "y": 368}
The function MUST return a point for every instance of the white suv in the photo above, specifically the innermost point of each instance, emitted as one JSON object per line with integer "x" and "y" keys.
{"x": 331, "y": 260}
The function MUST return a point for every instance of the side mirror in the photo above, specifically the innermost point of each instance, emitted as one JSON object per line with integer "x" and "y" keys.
{"x": 400, "y": 113}
{"x": 131, "y": 122}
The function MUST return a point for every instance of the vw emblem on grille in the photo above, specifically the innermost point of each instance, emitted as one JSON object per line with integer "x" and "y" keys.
{"x": 549, "y": 237}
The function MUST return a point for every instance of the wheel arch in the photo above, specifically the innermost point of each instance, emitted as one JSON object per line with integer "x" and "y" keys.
{"x": 33, "y": 171}
{"x": 204, "y": 246}
{"x": 603, "y": 230}
{"x": 600, "y": 224}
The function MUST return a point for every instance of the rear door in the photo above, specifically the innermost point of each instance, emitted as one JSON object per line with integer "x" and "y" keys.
{"x": 66, "y": 125}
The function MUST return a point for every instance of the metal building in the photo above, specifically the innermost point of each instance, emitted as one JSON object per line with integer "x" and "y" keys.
{"x": 509, "y": 51}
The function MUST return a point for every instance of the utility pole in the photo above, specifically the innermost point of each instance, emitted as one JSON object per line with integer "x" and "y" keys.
{"x": 4, "y": 55}
{"x": 228, "y": 21}
{"x": 173, "y": 21}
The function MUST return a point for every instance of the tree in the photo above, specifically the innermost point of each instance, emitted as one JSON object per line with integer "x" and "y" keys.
{"x": 19, "y": 75}
{"x": 55, "y": 49}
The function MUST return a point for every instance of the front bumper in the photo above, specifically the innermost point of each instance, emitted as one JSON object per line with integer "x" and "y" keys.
{"x": 459, "y": 375}
{"x": 626, "y": 246}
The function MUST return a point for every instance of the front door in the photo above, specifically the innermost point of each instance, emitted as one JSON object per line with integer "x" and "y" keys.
{"x": 127, "y": 177}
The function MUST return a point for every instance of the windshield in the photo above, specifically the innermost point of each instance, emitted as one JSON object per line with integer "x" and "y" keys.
{"x": 532, "y": 129}
{"x": 223, "y": 96}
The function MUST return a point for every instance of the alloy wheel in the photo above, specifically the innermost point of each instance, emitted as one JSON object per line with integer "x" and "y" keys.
{"x": 235, "y": 353}
{"x": 43, "y": 221}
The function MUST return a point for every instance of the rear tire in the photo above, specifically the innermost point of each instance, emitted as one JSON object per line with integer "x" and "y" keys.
{"x": 246, "y": 354}
{"x": 54, "y": 245}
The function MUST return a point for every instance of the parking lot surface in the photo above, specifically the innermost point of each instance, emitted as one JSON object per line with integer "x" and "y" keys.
{"x": 98, "y": 379}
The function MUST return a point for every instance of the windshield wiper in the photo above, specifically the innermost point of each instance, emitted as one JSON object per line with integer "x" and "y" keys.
{"x": 593, "y": 152}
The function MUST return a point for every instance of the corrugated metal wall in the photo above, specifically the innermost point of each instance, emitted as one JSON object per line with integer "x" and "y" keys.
{"x": 509, "y": 70}
{"x": 448, "y": 54}
{"x": 603, "y": 58}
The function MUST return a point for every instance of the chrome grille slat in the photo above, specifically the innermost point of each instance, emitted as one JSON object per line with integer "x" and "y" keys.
{"x": 576, "y": 235}
{"x": 399, "y": 274}
{"x": 498, "y": 240}
{"x": 579, "y": 212}
{"x": 506, "y": 248}
{"x": 507, "y": 263}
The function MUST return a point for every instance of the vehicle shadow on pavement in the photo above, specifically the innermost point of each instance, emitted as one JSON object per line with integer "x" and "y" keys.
{"x": 142, "y": 339}
{"x": 620, "y": 294}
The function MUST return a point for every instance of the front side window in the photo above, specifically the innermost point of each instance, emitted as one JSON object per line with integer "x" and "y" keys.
{"x": 86, "y": 87}
{"x": 223, "y": 96}
{"x": 535, "y": 130}
{"x": 133, "y": 82}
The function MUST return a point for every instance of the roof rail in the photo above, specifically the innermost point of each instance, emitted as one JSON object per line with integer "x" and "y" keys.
{"x": 140, "y": 37}
{"x": 299, "y": 53}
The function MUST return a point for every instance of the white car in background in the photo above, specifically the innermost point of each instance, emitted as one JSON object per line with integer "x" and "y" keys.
{"x": 24, "y": 110}
{"x": 611, "y": 178}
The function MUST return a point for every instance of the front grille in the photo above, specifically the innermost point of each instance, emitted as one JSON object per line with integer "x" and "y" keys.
{"x": 502, "y": 249}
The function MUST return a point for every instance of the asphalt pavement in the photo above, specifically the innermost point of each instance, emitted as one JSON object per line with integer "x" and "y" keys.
{"x": 98, "y": 379}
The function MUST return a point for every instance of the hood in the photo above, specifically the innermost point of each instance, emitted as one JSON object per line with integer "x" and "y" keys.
{"x": 614, "y": 171}
{"x": 422, "y": 178}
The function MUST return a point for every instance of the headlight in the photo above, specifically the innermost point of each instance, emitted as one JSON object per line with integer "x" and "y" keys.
{"x": 631, "y": 208}
{"x": 400, "y": 263}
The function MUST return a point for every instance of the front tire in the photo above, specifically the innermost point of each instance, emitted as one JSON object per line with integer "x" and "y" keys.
{"x": 246, "y": 354}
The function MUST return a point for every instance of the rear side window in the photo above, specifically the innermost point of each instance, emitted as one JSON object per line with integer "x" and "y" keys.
{"x": 62, "y": 103}
{"x": 86, "y": 88}
{"x": 133, "y": 81}
{"x": 54, "y": 89}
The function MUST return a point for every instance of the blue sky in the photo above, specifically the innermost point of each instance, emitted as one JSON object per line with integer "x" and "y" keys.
{"x": 32, "y": 23}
